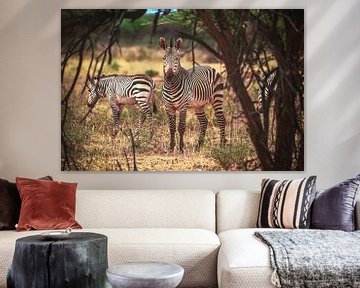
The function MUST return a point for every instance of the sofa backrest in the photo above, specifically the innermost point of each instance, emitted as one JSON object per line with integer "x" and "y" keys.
{"x": 236, "y": 209}
{"x": 239, "y": 209}
{"x": 146, "y": 209}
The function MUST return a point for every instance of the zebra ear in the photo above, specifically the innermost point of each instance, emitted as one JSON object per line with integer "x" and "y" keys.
{"x": 163, "y": 43}
{"x": 92, "y": 81}
{"x": 178, "y": 43}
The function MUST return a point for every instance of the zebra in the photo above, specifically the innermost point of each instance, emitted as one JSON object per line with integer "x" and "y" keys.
{"x": 192, "y": 88}
{"x": 122, "y": 90}
{"x": 267, "y": 87}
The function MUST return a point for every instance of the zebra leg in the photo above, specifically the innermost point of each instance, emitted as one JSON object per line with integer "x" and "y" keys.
{"x": 221, "y": 122}
{"x": 145, "y": 114}
{"x": 217, "y": 103}
{"x": 219, "y": 114}
{"x": 140, "y": 123}
{"x": 151, "y": 122}
{"x": 172, "y": 126}
{"x": 181, "y": 129}
{"x": 116, "y": 111}
{"x": 203, "y": 125}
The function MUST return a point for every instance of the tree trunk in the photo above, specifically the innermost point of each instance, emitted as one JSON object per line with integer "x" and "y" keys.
{"x": 256, "y": 132}
{"x": 285, "y": 135}
{"x": 225, "y": 41}
{"x": 79, "y": 261}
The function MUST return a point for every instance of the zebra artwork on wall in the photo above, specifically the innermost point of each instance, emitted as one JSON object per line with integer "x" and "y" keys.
{"x": 192, "y": 88}
{"x": 172, "y": 89}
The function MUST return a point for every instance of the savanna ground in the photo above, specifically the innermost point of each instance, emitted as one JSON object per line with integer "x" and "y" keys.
{"x": 90, "y": 145}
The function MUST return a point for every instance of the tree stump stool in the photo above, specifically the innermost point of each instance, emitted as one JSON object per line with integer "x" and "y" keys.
{"x": 78, "y": 261}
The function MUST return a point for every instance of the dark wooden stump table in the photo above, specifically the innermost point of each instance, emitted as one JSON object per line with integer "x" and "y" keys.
{"x": 79, "y": 261}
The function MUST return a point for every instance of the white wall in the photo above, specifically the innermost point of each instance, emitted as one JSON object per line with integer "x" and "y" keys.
{"x": 30, "y": 95}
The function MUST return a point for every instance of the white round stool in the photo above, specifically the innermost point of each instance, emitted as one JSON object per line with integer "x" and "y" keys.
{"x": 145, "y": 275}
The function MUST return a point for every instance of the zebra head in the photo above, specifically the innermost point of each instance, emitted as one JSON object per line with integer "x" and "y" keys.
{"x": 93, "y": 93}
{"x": 172, "y": 56}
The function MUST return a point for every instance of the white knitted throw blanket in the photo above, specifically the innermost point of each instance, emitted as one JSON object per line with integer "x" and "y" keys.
{"x": 313, "y": 258}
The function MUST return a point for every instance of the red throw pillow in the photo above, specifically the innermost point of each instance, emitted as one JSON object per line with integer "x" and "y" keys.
{"x": 46, "y": 204}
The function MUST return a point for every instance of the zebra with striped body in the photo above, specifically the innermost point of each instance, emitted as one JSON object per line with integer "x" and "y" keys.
{"x": 121, "y": 90}
{"x": 267, "y": 88}
{"x": 193, "y": 88}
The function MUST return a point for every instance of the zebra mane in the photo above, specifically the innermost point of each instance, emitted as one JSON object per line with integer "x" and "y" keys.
{"x": 171, "y": 43}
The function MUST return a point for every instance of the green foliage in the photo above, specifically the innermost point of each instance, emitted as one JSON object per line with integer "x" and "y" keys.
{"x": 132, "y": 27}
{"x": 230, "y": 155}
{"x": 115, "y": 65}
{"x": 151, "y": 73}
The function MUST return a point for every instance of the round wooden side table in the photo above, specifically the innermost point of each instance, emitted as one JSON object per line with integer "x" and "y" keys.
{"x": 79, "y": 260}
{"x": 145, "y": 275}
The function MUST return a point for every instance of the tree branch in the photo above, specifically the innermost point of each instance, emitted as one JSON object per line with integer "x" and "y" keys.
{"x": 201, "y": 42}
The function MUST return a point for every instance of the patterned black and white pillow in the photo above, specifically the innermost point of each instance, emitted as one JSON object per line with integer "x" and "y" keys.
{"x": 286, "y": 204}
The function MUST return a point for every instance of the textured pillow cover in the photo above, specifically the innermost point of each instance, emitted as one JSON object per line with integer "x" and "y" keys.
{"x": 286, "y": 204}
{"x": 334, "y": 208}
{"x": 46, "y": 204}
{"x": 10, "y": 204}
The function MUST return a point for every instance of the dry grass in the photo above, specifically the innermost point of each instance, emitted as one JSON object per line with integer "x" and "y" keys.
{"x": 91, "y": 147}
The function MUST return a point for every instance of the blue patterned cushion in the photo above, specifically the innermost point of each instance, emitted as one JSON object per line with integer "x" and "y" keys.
{"x": 334, "y": 208}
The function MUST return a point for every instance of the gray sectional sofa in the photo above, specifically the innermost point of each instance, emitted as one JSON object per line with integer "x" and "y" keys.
{"x": 209, "y": 234}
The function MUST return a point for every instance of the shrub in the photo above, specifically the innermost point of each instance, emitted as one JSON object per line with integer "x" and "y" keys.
{"x": 115, "y": 65}
{"x": 230, "y": 156}
{"x": 151, "y": 73}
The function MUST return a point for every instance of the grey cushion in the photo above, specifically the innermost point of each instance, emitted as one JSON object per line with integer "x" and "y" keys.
{"x": 334, "y": 208}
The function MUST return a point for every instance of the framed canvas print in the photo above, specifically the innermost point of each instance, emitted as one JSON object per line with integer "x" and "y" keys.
{"x": 182, "y": 90}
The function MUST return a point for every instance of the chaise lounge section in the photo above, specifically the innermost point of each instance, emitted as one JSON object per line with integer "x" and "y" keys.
{"x": 244, "y": 260}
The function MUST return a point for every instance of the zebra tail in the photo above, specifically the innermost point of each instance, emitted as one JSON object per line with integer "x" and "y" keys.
{"x": 151, "y": 99}
{"x": 218, "y": 83}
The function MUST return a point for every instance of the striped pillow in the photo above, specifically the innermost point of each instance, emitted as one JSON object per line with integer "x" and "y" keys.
{"x": 286, "y": 204}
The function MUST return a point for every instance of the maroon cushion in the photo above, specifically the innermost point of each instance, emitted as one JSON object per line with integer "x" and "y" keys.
{"x": 46, "y": 204}
{"x": 334, "y": 208}
{"x": 10, "y": 204}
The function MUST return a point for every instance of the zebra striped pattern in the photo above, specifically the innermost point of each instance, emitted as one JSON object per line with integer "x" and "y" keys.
{"x": 193, "y": 88}
{"x": 121, "y": 90}
{"x": 267, "y": 87}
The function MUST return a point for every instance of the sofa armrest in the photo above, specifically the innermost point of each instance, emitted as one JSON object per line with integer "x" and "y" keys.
{"x": 357, "y": 215}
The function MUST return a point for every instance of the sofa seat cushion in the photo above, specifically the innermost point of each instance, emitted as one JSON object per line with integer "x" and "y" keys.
{"x": 196, "y": 250}
{"x": 244, "y": 261}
